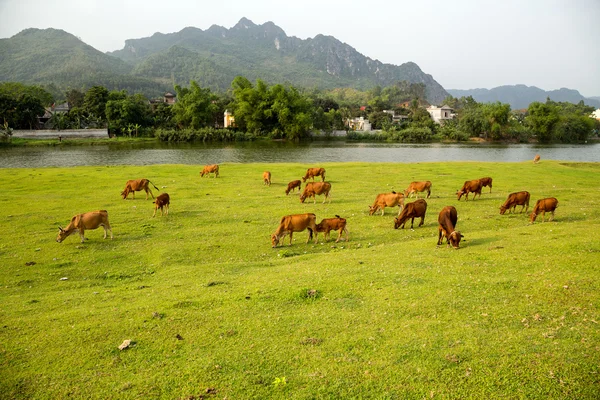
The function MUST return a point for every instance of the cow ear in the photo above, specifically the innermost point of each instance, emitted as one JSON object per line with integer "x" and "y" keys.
{"x": 60, "y": 229}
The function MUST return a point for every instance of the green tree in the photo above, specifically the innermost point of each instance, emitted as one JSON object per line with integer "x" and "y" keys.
{"x": 75, "y": 97}
{"x": 195, "y": 107}
{"x": 542, "y": 119}
{"x": 121, "y": 113}
{"x": 95, "y": 100}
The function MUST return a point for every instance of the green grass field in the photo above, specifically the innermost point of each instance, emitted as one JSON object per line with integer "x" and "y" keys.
{"x": 214, "y": 312}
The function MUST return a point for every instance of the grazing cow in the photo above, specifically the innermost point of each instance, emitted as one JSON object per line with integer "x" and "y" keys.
{"x": 541, "y": 206}
{"x": 81, "y": 222}
{"x": 267, "y": 178}
{"x": 332, "y": 224}
{"x": 416, "y": 187}
{"x": 416, "y": 209}
{"x": 536, "y": 159}
{"x": 514, "y": 200}
{"x": 447, "y": 220}
{"x": 210, "y": 169}
{"x": 487, "y": 181}
{"x": 137, "y": 185}
{"x": 473, "y": 186}
{"x": 312, "y": 172}
{"x": 292, "y": 185}
{"x": 312, "y": 189}
{"x": 295, "y": 223}
{"x": 162, "y": 201}
{"x": 384, "y": 200}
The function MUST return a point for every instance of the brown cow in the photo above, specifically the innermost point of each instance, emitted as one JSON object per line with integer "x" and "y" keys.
{"x": 295, "y": 223}
{"x": 267, "y": 178}
{"x": 384, "y": 200}
{"x": 473, "y": 186}
{"x": 312, "y": 189}
{"x": 81, "y": 222}
{"x": 514, "y": 200}
{"x": 416, "y": 187}
{"x": 162, "y": 201}
{"x": 210, "y": 169}
{"x": 447, "y": 220}
{"x": 413, "y": 210}
{"x": 312, "y": 172}
{"x": 487, "y": 181}
{"x": 332, "y": 224}
{"x": 548, "y": 204}
{"x": 292, "y": 185}
{"x": 536, "y": 159}
{"x": 137, "y": 185}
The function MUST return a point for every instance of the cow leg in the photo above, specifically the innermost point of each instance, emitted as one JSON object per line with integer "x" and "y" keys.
{"x": 412, "y": 221}
{"x": 81, "y": 234}
{"x": 382, "y": 210}
{"x": 291, "y": 233}
{"x": 422, "y": 221}
{"x": 440, "y": 239}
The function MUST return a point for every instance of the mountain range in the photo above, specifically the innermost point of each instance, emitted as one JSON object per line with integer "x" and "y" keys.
{"x": 520, "y": 96}
{"x": 214, "y": 57}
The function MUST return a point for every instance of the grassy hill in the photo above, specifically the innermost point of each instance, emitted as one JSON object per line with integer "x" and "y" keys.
{"x": 213, "y": 311}
{"x": 54, "y": 57}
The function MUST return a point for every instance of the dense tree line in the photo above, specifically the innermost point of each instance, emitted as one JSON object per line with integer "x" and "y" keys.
{"x": 284, "y": 111}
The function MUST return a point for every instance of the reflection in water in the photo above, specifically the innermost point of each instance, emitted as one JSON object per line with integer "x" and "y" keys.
{"x": 279, "y": 151}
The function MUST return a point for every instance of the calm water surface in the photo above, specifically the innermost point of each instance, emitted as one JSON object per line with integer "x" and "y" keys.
{"x": 267, "y": 152}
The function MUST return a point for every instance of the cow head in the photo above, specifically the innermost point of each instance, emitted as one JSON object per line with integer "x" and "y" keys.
{"x": 459, "y": 194}
{"x": 302, "y": 198}
{"x": 62, "y": 234}
{"x": 503, "y": 210}
{"x": 274, "y": 240}
{"x": 532, "y": 217}
{"x": 397, "y": 222}
{"x": 454, "y": 239}
{"x": 372, "y": 210}
{"x": 124, "y": 194}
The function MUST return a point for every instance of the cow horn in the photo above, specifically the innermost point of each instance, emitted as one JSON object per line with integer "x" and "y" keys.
{"x": 61, "y": 229}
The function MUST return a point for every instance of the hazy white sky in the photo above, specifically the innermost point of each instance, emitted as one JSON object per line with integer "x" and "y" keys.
{"x": 463, "y": 44}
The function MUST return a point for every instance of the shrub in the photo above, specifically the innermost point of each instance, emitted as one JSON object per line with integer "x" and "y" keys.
{"x": 202, "y": 135}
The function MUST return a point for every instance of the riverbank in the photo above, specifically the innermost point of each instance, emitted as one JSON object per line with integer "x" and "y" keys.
{"x": 211, "y": 309}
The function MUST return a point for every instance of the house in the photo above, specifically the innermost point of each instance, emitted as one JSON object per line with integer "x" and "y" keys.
{"x": 396, "y": 118}
{"x": 358, "y": 124}
{"x": 168, "y": 98}
{"x": 62, "y": 108}
{"x": 228, "y": 120}
{"x": 596, "y": 114}
{"x": 440, "y": 114}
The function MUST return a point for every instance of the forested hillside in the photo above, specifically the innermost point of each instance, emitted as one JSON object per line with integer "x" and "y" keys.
{"x": 213, "y": 58}
{"x": 58, "y": 60}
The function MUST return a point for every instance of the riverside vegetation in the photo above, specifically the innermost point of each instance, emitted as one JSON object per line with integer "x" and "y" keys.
{"x": 212, "y": 311}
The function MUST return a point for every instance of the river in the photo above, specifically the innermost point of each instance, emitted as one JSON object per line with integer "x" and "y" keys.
{"x": 276, "y": 151}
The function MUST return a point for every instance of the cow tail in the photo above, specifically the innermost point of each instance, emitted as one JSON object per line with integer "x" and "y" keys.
{"x": 154, "y": 185}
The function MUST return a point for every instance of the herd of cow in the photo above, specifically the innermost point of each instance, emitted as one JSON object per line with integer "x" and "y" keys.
{"x": 447, "y": 217}
{"x": 289, "y": 224}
